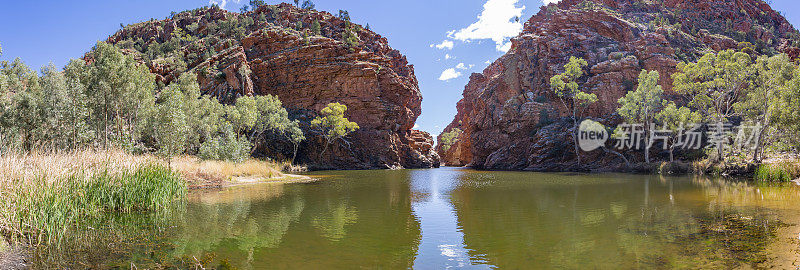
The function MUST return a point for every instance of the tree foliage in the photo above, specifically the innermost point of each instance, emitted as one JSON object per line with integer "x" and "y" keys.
{"x": 761, "y": 105}
{"x": 565, "y": 85}
{"x": 449, "y": 138}
{"x": 170, "y": 123}
{"x": 714, "y": 83}
{"x": 114, "y": 100}
{"x": 332, "y": 124}
{"x": 642, "y": 105}
{"x": 675, "y": 118}
{"x": 309, "y": 5}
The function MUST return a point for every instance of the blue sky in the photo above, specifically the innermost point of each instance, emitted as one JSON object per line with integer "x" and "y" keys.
{"x": 476, "y": 31}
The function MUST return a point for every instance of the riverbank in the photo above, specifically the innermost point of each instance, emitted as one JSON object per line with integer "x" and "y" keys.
{"x": 44, "y": 193}
{"x": 214, "y": 174}
{"x": 776, "y": 169}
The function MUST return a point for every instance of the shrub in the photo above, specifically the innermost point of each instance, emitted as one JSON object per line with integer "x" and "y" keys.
{"x": 616, "y": 56}
{"x": 228, "y": 146}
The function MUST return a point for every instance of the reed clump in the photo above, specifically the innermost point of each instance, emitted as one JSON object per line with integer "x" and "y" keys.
{"x": 44, "y": 195}
{"x": 781, "y": 171}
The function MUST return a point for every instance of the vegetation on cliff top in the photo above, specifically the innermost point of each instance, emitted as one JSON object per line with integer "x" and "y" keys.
{"x": 186, "y": 39}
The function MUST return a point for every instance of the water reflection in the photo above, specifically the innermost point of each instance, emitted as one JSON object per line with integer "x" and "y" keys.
{"x": 607, "y": 221}
{"x": 442, "y": 243}
{"x": 451, "y": 218}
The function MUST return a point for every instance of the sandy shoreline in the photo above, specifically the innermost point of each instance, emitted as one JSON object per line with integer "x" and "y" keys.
{"x": 250, "y": 180}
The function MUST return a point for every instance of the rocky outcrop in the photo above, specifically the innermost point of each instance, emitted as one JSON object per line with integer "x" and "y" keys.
{"x": 513, "y": 121}
{"x": 276, "y": 50}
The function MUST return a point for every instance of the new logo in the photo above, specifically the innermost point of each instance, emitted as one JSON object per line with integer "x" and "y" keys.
{"x": 591, "y": 135}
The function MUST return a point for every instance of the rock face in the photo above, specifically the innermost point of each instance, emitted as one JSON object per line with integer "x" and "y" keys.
{"x": 278, "y": 52}
{"x": 513, "y": 121}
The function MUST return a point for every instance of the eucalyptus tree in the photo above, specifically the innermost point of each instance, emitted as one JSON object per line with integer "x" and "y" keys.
{"x": 120, "y": 93}
{"x": 20, "y": 104}
{"x": 675, "y": 118}
{"x": 171, "y": 129}
{"x": 309, "y": 5}
{"x": 760, "y": 105}
{"x": 642, "y": 105}
{"x": 787, "y": 103}
{"x": 714, "y": 84}
{"x": 565, "y": 85}
{"x": 332, "y": 124}
{"x": 449, "y": 138}
{"x": 53, "y": 99}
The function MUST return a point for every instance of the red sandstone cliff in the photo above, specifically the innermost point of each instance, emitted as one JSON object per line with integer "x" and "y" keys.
{"x": 275, "y": 52}
{"x": 509, "y": 115}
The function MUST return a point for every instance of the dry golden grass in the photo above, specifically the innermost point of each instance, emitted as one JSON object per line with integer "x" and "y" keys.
{"x": 196, "y": 170}
{"x": 52, "y": 166}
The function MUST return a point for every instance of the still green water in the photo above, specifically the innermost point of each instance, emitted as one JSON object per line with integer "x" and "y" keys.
{"x": 453, "y": 218}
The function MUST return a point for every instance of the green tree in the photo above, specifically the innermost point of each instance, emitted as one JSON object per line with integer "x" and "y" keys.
{"x": 761, "y": 103}
{"x": 642, "y": 105}
{"x": 21, "y": 109}
{"x": 257, "y": 3}
{"x": 243, "y": 115}
{"x": 203, "y": 113}
{"x": 565, "y": 85}
{"x": 449, "y": 138}
{"x": 170, "y": 123}
{"x": 120, "y": 93}
{"x": 308, "y": 5}
{"x": 23, "y": 116}
{"x": 350, "y": 37}
{"x": 714, "y": 84}
{"x": 226, "y": 145}
{"x": 316, "y": 28}
{"x": 294, "y": 135}
{"x": 675, "y": 118}
{"x": 273, "y": 118}
{"x": 53, "y": 101}
{"x": 76, "y": 115}
{"x": 332, "y": 124}
{"x": 789, "y": 117}
{"x": 261, "y": 115}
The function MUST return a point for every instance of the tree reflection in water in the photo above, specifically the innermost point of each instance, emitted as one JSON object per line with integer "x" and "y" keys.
{"x": 447, "y": 218}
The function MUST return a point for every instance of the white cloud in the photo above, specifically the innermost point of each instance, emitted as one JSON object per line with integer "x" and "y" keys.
{"x": 416, "y": 126}
{"x": 447, "y": 56}
{"x": 488, "y": 62}
{"x": 221, "y": 3}
{"x": 463, "y": 66}
{"x": 547, "y": 2}
{"x": 496, "y": 22}
{"x": 446, "y": 44}
{"x": 449, "y": 74}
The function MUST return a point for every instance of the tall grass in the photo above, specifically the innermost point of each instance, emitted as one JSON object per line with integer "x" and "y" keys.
{"x": 44, "y": 195}
{"x": 194, "y": 169}
{"x": 782, "y": 171}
